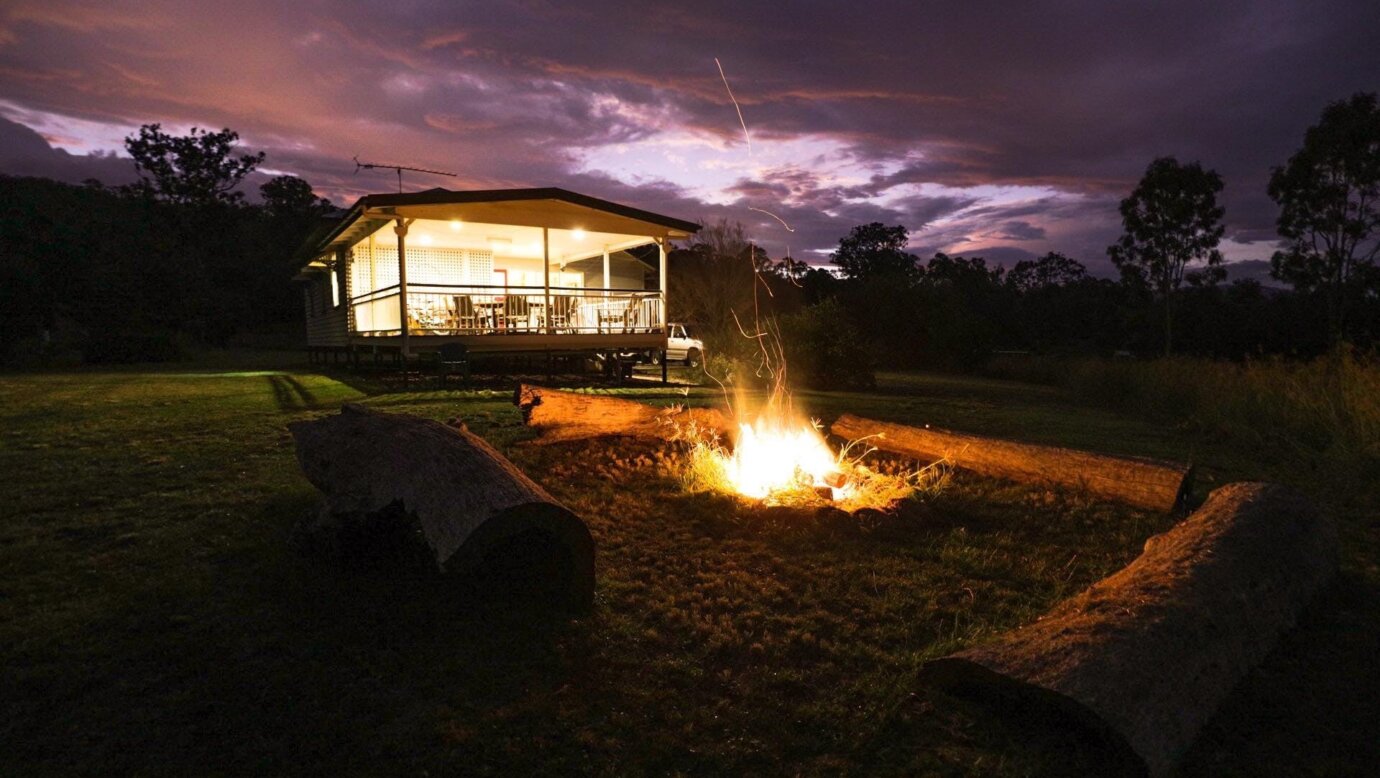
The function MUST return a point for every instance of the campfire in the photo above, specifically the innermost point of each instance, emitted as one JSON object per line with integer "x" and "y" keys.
{"x": 772, "y": 456}
{"x": 779, "y": 460}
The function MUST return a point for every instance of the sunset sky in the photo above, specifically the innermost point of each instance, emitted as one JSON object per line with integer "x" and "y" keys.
{"x": 995, "y": 129}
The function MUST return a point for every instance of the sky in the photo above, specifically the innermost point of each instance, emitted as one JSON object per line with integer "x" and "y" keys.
{"x": 995, "y": 129}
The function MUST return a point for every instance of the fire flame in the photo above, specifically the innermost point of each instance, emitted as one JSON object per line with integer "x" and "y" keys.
{"x": 773, "y": 455}
{"x": 780, "y": 460}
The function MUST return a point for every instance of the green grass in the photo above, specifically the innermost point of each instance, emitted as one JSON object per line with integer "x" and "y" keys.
{"x": 153, "y": 618}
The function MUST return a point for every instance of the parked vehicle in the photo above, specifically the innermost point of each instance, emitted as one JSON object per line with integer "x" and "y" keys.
{"x": 680, "y": 347}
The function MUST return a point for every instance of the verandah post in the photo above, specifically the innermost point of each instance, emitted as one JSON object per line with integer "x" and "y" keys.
{"x": 661, "y": 267}
{"x": 400, "y": 229}
{"x": 546, "y": 277}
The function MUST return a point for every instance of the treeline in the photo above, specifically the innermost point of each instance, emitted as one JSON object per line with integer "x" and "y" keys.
{"x": 881, "y": 305}
{"x": 954, "y": 313}
{"x": 140, "y": 272}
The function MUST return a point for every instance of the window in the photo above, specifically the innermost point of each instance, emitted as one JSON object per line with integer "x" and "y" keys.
{"x": 335, "y": 284}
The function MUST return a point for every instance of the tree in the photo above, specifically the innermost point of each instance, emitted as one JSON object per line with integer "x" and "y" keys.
{"x": 873, "y": 250}
{"x": 1053, "y": 269}
{"x": 195, "y": 169}
{"x": 1328, "y": 193}
{"x": 290, "y": 196}
{"x": 1171, "y": 220}
{"x": 713, "y": 282}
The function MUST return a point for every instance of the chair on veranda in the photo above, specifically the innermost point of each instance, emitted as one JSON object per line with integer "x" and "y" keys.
{"x": 517, "y": 313}
{"x": 561, "y": 305}
{"x": 466, "y": 318}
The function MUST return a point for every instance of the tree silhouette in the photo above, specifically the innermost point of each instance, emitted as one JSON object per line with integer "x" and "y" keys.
{"x": 1053, "y": 269}
{"x": 714, "y": 278}
{"x": 292, "y": 196}
{"x": 872, "y": 250}
{"x": 199, "y": 168}
{"x": 1328, "y": 193}
{"x": 1170, "y": 220}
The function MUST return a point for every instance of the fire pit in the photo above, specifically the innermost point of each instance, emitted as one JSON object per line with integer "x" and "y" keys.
{"x": 776, "y": 458}
{"x": 781, "y": 461}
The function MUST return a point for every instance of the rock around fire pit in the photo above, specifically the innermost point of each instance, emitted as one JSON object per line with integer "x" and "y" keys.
{"x": 475, "y": 509}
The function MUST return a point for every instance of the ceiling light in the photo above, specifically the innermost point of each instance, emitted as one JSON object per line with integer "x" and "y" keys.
{"x": 456, "y": 225}
{"x": 577, "y": 234}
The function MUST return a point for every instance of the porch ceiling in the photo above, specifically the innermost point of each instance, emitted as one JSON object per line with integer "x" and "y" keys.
{"x": 512, "y": 241}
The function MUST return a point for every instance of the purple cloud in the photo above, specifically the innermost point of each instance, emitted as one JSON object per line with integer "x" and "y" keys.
{"x": 997, "y": 131}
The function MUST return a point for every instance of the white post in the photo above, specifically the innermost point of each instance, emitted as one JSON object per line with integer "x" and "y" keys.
{"x": 400, "y": 229}
{"x": 606, "y": 271}
{"x": 546, "y": 276}
{"x": 661, "y": 261}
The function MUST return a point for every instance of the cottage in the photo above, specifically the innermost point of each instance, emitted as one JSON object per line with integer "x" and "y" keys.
{"x": 505, "y": 270}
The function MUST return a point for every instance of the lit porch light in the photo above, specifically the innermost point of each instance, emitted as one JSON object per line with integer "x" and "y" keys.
{"x": 456, "y": 225}
{"x": 577, "y": 234}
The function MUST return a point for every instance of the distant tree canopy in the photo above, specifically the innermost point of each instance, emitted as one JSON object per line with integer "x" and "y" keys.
{"x": 1051, "y": 270}
{"x": 291, "y": 196}
{"x": 1329, "y": 198}
{"x": 875, "y": 250}
{"x": 199, "y": 168}
{"x": 131, "y": 272}
{"x": 1170, "y": 221}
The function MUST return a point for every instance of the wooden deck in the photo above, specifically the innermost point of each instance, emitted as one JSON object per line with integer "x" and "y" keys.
{"x": 495, "y": 343}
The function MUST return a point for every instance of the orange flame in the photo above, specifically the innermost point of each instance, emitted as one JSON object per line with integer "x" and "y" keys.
{"x": 774, "y": 455}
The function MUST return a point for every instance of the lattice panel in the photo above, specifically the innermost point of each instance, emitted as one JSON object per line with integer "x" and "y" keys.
{"x": 479, "y": 266}
{"x": 427, "y": 265}
{"x": 370, "y": 270}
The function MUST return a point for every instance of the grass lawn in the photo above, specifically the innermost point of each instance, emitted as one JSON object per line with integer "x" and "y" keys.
{"x": 153, "y": 618}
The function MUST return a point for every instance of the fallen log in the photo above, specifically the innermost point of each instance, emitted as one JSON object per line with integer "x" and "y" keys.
{"x": 1144, "y": 483}
{"x": 1143, "y": 658}
{"x": 473, "y": 506}
{"x": 561, "y": 416}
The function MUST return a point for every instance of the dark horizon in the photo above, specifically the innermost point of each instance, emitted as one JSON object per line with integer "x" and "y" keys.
{"x": 985, "y": 131}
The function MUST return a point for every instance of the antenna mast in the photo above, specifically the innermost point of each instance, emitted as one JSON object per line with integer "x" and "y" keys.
{"x": 399, "y": 168}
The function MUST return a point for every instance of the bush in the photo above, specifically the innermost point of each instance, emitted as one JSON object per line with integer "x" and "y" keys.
{"x": 123, "y": 348}
{"x": 1326, "y": 411}
{"x": 825, "y": 350}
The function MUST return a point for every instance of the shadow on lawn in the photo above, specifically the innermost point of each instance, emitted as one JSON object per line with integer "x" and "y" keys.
{"x": 290, "y": 663}
{"x": 1305, "y": 710}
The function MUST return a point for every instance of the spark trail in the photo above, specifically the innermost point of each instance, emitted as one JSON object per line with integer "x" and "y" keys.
{"x": 736, "y": 107}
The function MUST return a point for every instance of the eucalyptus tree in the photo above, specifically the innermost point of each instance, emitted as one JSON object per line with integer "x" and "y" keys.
{"x": 1171, "y": 221}
{"x": 1329, "y": 220}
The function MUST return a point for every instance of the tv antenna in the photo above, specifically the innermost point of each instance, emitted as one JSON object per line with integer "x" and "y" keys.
{"x": 399, "y": 168}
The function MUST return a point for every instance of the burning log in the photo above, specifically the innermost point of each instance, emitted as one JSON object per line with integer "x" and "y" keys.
{"x": 561, "y": 416}
{"x": 1142, "y": 659}
{"x": 474, "y": 507}
{"x": 1144, "y": 483}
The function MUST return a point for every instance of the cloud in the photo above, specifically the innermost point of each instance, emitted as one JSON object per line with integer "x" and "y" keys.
{"x": 979, "y": 129}
{"x": 24, "y": 152}
{"x": 1016, "y": 230}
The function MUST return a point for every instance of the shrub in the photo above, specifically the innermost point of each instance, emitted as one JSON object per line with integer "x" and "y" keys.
{"x": 1326, "y": 411}
{"x": 825, "y": 350}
